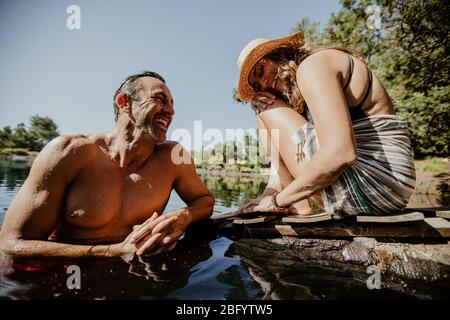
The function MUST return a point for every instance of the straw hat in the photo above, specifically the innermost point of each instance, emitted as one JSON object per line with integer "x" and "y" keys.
{"x": 253, "y": 52}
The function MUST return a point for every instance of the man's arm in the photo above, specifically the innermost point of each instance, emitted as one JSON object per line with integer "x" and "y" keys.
{"x": 192, "y": 191}
{"x": 37, "y": 208}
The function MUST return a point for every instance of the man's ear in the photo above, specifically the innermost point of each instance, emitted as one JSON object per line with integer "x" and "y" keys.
{"x": 123, "y": 102}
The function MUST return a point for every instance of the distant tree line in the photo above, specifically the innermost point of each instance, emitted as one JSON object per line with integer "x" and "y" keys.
{"x": 245, "y": 156}
{"x": 28, "y": 138}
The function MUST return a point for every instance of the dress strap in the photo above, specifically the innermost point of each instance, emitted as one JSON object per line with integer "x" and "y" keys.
{"x": 350, "y": 60}
{"x": 356, "y": 111}
{"x": 369, "y": 88}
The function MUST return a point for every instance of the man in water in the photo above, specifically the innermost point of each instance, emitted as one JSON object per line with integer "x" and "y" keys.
{"x": 103, "y": 194}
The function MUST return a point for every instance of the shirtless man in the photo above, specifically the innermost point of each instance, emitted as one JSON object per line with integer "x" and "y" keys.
{"x": 103, "y": 195}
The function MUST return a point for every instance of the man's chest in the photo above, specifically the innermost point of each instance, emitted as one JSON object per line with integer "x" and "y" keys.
{"x": 99, "y": 197}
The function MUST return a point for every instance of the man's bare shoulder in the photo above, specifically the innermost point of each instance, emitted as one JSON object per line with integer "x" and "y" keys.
{"x": 72, "y": 146}
{"x": 61, "y": 160}
{"x": 67, "y": 152}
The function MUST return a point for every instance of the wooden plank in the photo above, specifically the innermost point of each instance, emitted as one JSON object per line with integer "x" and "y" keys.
{"x": 233, "y": 214}
{"x": 443, "y": 214}
{"x": 335, "y": 229}
{"x": 286, "y": 230}
{"x": 308, "y": 219}
{"x": 440, "y": 225}
{"x": 414, "y": 216}
{"x": 255, "y": 220}
{"x": 429, "y": 211}
{"x": 224, "y": 215}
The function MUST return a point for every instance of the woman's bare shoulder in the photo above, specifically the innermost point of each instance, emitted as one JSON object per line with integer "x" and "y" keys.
{"x": 324, "y": 57}
{"x": 323, "y": 62}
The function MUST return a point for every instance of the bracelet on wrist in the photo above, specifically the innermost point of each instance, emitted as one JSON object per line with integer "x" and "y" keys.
{"x": 275, "y": 203}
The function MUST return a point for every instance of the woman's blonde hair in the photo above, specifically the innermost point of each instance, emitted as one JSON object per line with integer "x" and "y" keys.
{"x": 289, "y": 59}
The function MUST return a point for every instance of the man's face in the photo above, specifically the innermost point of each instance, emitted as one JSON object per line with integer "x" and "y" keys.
{"x": 154, "y": 109}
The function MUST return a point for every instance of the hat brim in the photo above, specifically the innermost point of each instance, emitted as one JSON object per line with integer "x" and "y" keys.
{"x": 245, "y": 90}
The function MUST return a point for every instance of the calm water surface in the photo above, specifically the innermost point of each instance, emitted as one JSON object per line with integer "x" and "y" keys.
{"x": 203, "y": 266}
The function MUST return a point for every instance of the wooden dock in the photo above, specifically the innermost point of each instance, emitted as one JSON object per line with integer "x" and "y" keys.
{"x": 428, "y": 223}
{"x": 412, "y": 245}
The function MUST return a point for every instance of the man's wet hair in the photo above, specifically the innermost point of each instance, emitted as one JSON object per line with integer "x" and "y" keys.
{"x": 130, "y": 88}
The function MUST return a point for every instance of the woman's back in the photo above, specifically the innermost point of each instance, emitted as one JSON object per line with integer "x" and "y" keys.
{"x": 364, "y": 93}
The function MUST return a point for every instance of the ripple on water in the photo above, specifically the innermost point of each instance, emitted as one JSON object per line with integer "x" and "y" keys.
{"x": 204, "y": 281}
{"x": 6, "y": 196}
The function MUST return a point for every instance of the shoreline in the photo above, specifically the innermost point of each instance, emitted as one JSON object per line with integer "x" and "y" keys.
{"x": 264, "y": 175}
{"x": 428, "y": 183}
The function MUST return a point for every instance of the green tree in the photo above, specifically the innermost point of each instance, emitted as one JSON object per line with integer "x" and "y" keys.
{"x": 20, "y": 137}
{"x": 428, "y": 117}
{"x": 247, "y": 144}
{"x": 6, "y": 138}
{"x": 408, "y": 48}
{"x": 409, "y": 52}
{"x": 42, "y": 130}
{"x": 423, "y": 38}
{"x": 310, "y": 29}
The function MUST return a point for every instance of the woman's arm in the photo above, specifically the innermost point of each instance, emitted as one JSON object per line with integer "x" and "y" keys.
{"x": 319, "y": 85}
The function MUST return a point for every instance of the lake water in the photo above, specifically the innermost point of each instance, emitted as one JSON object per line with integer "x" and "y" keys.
{"x": 204, "y": 265}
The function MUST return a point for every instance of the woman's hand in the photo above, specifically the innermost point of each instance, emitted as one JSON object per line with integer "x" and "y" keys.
{"x": 261, "y": 204}
{"x": 266, "y": 101}
{"x": 267, "y": 192}
{"x": 244, "y": 209}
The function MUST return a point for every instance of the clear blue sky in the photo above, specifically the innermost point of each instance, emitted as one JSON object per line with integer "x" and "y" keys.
{"x": 71, "y": 75}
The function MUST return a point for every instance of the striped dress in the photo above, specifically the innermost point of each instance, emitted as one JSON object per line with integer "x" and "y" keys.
{"x": 383, "y": 177}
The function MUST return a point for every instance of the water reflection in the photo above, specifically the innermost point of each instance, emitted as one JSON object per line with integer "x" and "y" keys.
{"x": 284, "y": 273}
{"x": 12, "y": 176}
{"x": 234, "y": 191}
{"x": 205, "y": 265}
{"x": 103, "y": 278}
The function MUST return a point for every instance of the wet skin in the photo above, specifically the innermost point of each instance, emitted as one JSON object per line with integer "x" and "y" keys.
{"x": 105, "y": 201}
{"x": 105, "y": 189}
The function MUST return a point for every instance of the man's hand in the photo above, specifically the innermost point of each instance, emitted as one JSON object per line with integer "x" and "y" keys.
{"x": 156, "y": 233}
{"x": 171, "y": 226}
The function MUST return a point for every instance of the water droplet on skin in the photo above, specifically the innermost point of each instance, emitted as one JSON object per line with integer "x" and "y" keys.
{"x": 77, "y": 213}
{"x": 135, "y": 177}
